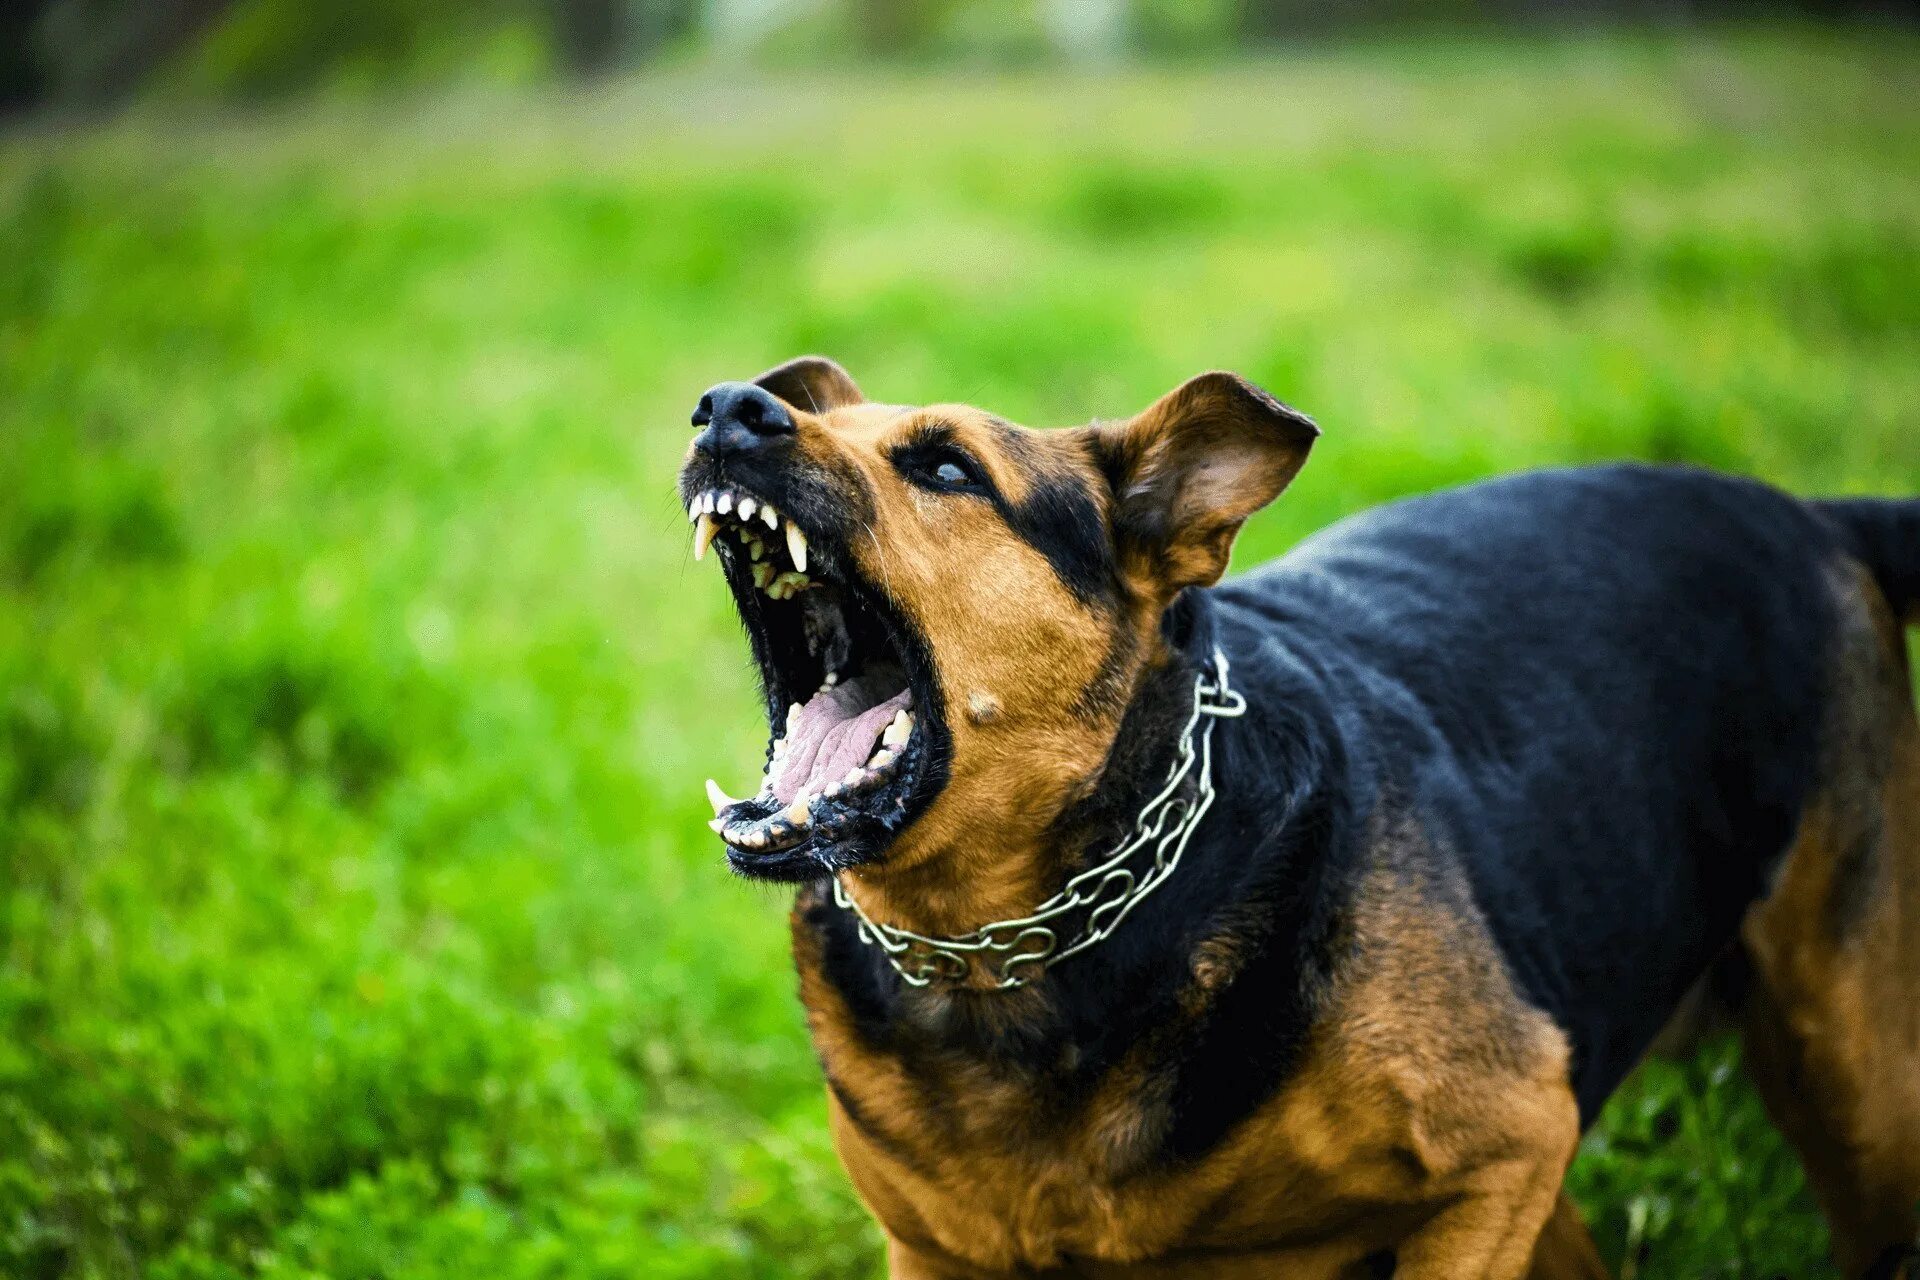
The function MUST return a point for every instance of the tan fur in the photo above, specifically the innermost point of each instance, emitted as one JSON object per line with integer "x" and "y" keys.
{"x": 1013, "y": 650}
{"x": 1833, "y": 1019}
{"x": 1566, "y": 1251}
{"x": 1438, "y": 1127}
{"x": 1017, "y": 655}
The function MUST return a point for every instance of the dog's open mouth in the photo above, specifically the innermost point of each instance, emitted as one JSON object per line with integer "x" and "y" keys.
{"x": 850, "y": 704}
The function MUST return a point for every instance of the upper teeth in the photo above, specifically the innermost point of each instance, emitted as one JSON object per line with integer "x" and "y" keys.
{"x": 719, "y": 509}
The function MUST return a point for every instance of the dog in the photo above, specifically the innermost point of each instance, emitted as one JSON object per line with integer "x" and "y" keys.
{"x": 1298, "y": 925}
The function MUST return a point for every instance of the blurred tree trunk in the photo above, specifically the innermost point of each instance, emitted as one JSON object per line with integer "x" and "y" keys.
{"x": 594, "y": 37}
{"x": 23, "y": 80}
{"x": 588, "y": 35}
{"x": 894, "y": 28}
{"x": 96, "y": 52}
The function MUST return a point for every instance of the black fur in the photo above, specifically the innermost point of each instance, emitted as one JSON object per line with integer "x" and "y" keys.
{"x": 1597, "y": 696}
{"x": 1884, "y": 535}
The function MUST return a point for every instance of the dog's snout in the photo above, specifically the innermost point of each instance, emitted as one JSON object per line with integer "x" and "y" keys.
{"x": 736, "y": 417}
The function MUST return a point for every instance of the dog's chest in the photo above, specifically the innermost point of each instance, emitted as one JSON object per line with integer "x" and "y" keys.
{"x": 1319, "y": 1178}
{"x": 1422, "y": 1064}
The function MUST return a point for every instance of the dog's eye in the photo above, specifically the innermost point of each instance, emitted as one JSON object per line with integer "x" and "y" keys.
{"x": 944, "y": 470}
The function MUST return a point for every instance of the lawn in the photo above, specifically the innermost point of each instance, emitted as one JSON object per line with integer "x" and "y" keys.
{"x": 357, "y": 913}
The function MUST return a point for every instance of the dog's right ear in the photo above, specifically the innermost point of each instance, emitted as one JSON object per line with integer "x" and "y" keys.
{"x": 813, "y": 383}
{"x": 1186, "y": 473}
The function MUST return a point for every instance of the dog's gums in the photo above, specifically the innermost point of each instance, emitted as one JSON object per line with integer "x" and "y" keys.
{"x": 843, "y": 749}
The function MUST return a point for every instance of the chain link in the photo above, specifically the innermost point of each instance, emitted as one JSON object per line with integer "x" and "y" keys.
{"x": 1021, "y": 950}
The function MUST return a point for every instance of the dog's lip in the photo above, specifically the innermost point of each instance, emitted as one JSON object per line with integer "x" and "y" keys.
{"x": 768, "y": 836}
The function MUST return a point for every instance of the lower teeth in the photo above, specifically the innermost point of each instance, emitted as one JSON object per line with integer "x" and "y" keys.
{"x": 779, "y": 826}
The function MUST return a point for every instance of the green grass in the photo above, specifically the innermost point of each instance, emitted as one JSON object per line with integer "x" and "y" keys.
{"x": 357, "y": 914}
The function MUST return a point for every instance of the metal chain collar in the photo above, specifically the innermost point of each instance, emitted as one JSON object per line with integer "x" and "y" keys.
{"x": 1023, "y": 949}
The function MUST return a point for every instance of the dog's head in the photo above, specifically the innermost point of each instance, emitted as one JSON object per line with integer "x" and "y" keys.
{"x": 950, "y": 613}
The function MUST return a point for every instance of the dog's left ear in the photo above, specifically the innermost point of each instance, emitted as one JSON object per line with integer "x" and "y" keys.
{"x": 1188, "y": 472}
{"x": 813, "y": 383}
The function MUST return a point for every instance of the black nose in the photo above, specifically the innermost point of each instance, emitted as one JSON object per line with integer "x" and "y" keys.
{"x": 738, "y": 416}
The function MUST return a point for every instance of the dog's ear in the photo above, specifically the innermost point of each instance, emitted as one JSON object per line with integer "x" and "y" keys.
{"x": 1188, "y": 472}
{"x": 813, "y": 383}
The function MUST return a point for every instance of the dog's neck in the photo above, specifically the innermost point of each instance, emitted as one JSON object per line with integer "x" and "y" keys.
{"x": 1003, "y": 867}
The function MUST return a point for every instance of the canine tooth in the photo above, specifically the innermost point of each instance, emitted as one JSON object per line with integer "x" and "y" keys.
{"x": 771, "y": 516}
{"x": 718, "y": 798}
{"x": 801, "y": 810}
{"x": 896, "y": 732}
{"x": 726, "y": 503}
{"x": 797, "y": 546}
{"x": 747, "y": 507}
{"x": 703, "y": 532}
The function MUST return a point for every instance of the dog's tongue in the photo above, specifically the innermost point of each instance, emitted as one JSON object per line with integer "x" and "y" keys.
{"x": 834, "y": 732}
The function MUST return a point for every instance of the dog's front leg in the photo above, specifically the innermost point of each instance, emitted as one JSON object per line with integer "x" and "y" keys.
{"x": 1489, "y": 1232}
{"x": 904, "y": 1262}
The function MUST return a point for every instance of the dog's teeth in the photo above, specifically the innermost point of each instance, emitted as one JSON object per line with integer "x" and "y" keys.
{"x": 762, "y": 575}
{"x": 833, "y": 678}
{"x": 717, "y": 825}
{"x": 747, "y": 507}
{"x": 726, "y": 503}
{"x": 797, "y": 546}
{"x": 756, "y": 549}
{"x": 854, "y": 777}
{"x": 779, "y": 748}
{"x": 718, "y": 798}
{"x": 753, "y": 839}
{"x": 703, "y": 505}
{"x": 703, "y": 531}
{"x": 772, "y": 517}
{"x": 834, "y": 791}
{"x": 793, "y": 718}
{"x": 800, "y": 812}
{"x": 881, "y": 759}
{"x": 897, "y": 731}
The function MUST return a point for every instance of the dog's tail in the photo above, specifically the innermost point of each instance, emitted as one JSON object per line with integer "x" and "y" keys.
{"x": 1884, "y": 535}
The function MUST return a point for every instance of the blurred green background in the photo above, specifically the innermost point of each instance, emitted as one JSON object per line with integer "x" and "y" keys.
{"x": 357, "y": 913}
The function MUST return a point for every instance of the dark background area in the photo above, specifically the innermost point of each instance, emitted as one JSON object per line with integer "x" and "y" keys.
{"x": 89, "y": 54}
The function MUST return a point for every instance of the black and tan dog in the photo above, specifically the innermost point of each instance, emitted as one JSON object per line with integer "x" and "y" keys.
{"x": 1402, "y": 849}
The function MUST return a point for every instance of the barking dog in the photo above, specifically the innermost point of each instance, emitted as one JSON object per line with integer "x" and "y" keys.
{"x": 1298, "y": 926}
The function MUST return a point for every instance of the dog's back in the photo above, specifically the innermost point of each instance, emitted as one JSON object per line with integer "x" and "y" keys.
{"x": 1644, "y": 710}
{"x": 1607, "y": 688}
